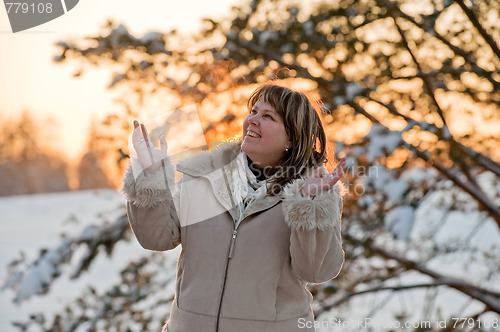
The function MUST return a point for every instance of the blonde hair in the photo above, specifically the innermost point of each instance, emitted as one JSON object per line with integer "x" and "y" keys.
{"x": 303, "y": 126}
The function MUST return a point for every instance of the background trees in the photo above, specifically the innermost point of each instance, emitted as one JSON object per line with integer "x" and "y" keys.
{"x": 27, "y": 164}
{"x": 411, "y": 98}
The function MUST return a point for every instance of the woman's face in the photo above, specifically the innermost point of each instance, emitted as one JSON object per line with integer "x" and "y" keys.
{"x": 264, "y": 135}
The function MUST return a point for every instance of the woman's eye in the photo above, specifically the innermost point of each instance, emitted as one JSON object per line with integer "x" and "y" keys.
{"x": 268, "y": 116}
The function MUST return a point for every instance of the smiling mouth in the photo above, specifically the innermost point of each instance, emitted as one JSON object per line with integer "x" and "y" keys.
{"x": 252, "y": 134}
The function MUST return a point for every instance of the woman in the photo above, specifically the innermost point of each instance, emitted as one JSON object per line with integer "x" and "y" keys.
{"x": 257, "y": 219}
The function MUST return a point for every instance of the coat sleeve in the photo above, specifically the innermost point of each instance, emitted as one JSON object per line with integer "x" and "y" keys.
{"x": 315, "y": 242}
{"x": 151, "y": 207}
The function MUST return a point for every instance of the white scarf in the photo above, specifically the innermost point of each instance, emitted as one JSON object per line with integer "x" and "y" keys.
{"x": 247, "y": 188}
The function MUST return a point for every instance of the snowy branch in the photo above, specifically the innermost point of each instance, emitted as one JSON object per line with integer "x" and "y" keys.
{"x": 490, "y": 298}
{"x": 473, "y": 190}
{"x": 480, "y": 158}
{"x": 40, "y": 275}
{"x": 473, "y": 18}
{"x": 346, "y": 297}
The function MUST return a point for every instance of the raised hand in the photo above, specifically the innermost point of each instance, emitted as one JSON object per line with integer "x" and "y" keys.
{"x": 319, "y": 181}
{"x": 149, "y": 156}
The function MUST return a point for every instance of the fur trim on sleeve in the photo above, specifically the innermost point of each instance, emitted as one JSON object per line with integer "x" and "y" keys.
{"x": 151, "y": 189}
{"x": 321, "y": 212}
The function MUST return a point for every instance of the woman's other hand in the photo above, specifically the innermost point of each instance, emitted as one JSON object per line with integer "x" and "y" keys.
{"x": 149, "y": 156}
{"x": 319, "y": 181}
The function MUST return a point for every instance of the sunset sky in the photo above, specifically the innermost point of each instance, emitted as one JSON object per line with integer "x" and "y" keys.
{"x": 29, "y": 80}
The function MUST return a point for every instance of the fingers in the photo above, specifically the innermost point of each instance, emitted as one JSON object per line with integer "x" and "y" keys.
{"x": 145, "y": 135}
{"x": 137, "y": 135}
{"x": 149, "y": 156}
{"x": 140, "y": 135}
{"x": 321, "y": 181}
{"x": 337, "y": 173}
{"x": 335, "y": 177}
{"x": 319, "y": 172}
{"x": 163, "y": 144}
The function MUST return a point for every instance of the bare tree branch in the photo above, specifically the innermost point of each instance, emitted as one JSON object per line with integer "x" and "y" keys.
{"x": 380, "y": 288}
{"x": 427, "y": 85}
{"x": 473, "y": 18}
{"x": 473, "y": 190}
{"x": 478, "y": 157}
{"x": 490, "y": 298}
{"x": 467, "y": 56}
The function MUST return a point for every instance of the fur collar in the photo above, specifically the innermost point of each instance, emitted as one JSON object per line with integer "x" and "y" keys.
{"x": 208, "y": 162}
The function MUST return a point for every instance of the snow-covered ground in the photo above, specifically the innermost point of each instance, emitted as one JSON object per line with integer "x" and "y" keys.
{"x": 29, "y": 223}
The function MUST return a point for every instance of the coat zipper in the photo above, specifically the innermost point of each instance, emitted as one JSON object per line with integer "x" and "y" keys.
{"x": 230, "y": 254}
{"x": 233, "y": 239}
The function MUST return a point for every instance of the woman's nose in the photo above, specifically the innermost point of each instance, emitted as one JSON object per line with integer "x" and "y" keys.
{"x": 253, "y": 119}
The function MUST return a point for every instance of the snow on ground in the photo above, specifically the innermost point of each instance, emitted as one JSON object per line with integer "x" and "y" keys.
{"x": 29, "y": 223}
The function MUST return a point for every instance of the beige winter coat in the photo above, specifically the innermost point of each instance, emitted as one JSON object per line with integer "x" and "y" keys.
{"x": 252, "y": 278}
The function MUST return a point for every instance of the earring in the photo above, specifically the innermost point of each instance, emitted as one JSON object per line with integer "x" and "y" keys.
{"x": 286, "y": 149}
